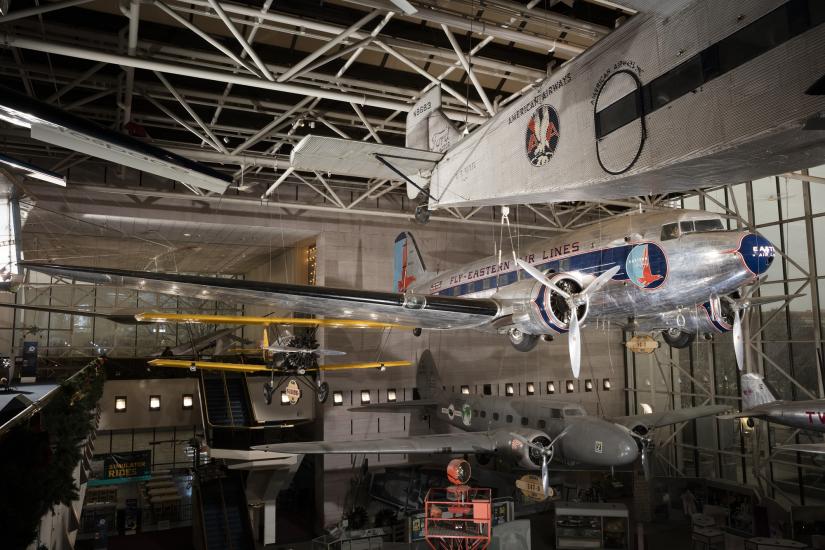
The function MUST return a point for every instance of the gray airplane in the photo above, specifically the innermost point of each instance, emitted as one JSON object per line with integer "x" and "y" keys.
{"x": 530, "y": 432}
{"x": 675, "y": 271}
{"x": 759, "y": 402}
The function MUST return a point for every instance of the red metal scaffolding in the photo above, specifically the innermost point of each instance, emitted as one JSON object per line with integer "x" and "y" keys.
{"x": 458, "y": 518}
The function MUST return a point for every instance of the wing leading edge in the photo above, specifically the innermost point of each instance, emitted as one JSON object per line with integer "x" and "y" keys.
{"x": 451, "y": 443}
{"x": 666, "y": 418}
{"x": 434, "y": 312}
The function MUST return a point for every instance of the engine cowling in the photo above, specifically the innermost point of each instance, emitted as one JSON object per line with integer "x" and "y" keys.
{"x": 519, "y": 453}
{"x": 542, "y": 310}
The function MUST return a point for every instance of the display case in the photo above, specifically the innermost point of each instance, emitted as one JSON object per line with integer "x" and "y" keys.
{"x": 592, "y": 525}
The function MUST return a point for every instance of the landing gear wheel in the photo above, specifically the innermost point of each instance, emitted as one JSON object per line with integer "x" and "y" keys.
{"x": 269, "y": 389}
{"x": 422, "y": 214}
{"x": 417, "y": 332}
{"x": 323, "y": 392}
{"x": 678, "y": 340}
{"x": 521, "y": 341}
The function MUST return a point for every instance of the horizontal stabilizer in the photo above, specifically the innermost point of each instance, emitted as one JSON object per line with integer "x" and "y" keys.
{"x": 358, "y": 158}
{"x": 398, "y": 407}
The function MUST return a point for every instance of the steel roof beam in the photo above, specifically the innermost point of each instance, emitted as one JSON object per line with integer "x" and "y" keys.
{"x": 217, "y": 143}
{"x": 348, "y": 32}
{"x": 40, "y": 10}
{"x": 463, "y": 60}
{"x": 241, "y": 40}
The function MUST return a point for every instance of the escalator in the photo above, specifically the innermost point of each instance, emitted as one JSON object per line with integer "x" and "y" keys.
{"x": 226, "y": 399}
{"x": 224, "y": 517}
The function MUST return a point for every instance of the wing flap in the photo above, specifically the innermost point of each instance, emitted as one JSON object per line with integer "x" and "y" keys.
{"x": 358, "y": 158}
{"x": 439, "y": 312}
{"x": 452, "y": 443}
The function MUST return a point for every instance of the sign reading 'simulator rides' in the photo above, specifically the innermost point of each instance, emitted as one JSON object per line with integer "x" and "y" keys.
{"x": 130, "y": 464}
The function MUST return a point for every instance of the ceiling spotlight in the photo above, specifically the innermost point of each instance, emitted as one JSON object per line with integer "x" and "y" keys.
{"x": 226, "y": 140}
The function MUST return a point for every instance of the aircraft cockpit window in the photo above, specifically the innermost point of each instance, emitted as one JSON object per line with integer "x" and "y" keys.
{"x": 572, "y": 412}
{"x": 670, "y": 231}
{"x": 495, "y": 416}
{"x": 555, "y": 413}
{"x": 686, "y": 227}
{"x": 542, "y": 424}
{"x": 709, "y": 225}
{"x": 509, "y": 418}
{"x": 524, "y": 420}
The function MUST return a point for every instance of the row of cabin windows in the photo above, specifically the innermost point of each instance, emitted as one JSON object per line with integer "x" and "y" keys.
{"x": 483, "y": 284}
{"x": 550, "y": 388}
{"x": 555, "y": 413}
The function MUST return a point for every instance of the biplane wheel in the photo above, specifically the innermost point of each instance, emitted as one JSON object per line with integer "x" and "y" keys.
{"x": 323, "y": 392}
{"x": 422, "y": 214}
{"x": 678, "y": 339}
{"x": 269, "y": 389}
{"x": 417, "y": 332}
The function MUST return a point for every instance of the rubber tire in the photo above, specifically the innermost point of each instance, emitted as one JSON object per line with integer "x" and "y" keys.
{"x": 323, "y": 392}
{"x": 417, "y": 332}
{"x": 528, "y": 342}
{"x": 683, "y": 340}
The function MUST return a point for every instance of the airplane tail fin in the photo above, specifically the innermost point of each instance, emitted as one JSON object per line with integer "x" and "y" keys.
{"x": 429, "y": 129}
{"x": 408, "y": 267}
{"x": 427, "y": 379}
{"x": 755, "y": 391}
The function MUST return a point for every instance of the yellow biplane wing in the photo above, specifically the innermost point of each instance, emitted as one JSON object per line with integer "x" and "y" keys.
{"x": 152, "y": 317}
{"x": 240, "y": 367}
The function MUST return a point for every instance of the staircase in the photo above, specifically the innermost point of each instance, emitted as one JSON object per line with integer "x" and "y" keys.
{"x": 224, "y": 514}
{"x": 226, "y": 399}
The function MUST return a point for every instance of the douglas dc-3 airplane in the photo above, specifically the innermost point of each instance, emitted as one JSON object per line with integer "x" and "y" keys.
{"x": 759, "y": 402}
{"x": 675, "y": 271}
{"x": 528, "y": 432}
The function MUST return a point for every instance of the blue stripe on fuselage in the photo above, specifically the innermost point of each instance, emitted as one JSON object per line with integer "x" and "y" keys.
{"x": 593, "y": 262}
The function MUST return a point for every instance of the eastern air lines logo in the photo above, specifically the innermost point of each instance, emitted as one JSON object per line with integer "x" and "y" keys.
{"x": 646, "y": 266}
{"x": 542, "y": 137}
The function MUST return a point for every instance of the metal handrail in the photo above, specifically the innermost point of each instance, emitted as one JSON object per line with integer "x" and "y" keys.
{"x": 228, "y": 401}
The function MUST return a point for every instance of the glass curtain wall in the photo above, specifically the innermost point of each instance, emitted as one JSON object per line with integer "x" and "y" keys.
{"x": 785, "y": 346}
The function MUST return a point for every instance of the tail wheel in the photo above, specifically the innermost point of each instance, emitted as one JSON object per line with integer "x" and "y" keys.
{"x": 678, "y": 339}
{"x": 521, "y": 341}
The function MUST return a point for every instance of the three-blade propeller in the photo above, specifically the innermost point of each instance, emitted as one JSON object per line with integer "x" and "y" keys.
{"x": 546, "y": 456}
{"x": 573, "y": 303}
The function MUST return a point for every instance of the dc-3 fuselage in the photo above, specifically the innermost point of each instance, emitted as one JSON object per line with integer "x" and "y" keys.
{"x": 674, "y": 265}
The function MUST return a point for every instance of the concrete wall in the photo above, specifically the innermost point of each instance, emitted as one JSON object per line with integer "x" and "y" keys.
{"x": 138, "y": 416}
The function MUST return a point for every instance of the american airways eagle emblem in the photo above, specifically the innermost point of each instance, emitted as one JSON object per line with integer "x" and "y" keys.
{"x": 646, "y": 266}
{"x": 542, "y": 135}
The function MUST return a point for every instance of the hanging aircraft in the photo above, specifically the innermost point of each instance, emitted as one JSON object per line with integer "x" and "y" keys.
{"x": 289, "y": 357}
{"x": 531, "y": 432}
{"x": 633, "y": 115}
{"x": 760, "y": 402}
{"x": 663, "y": 270}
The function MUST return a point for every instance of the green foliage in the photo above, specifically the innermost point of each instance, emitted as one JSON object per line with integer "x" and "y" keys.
{"x": 37, "y": 462}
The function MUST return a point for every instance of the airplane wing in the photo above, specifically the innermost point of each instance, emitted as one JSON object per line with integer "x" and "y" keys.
{"x": 123, "y": 319}
{"x": 451, "y": 443}
{"x": 397, "y": 407}
{"x": 154, "y": 317}
{"x": 435, "y": 312}
{"x": 815, "y": 448}
{"x": 666, "y": 418}
{"x": 360, "y": 158}
{"x": 251, "y": 367}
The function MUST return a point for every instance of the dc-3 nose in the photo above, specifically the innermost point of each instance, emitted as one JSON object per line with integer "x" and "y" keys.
{"x": 757, "y": 253}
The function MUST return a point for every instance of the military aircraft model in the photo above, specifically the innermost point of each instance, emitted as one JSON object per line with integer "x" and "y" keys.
{"x": 663, "y": 270}
{"x": 632, "y": 115}
{"x": 530, "y": 432}
{"x": 759, "y": 401}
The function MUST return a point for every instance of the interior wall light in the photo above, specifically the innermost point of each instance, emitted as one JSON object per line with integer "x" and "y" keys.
{"x": 606, "y": 384}
{"x": 391, "y": 395}
{"x": 337, "y": 398}
{"x": 465, "y": 390}
{"x": 187, "y": 401}
{"x": 531, "y": 388}
{"x": 154, "y": 402}
{"x": 509, "y": 390}
{"x": 120, "y": 403}
{"x": 284, "y": 398}
{"x": 570, "y": 386}
{"x": 551, "y": 388}
{"x": 588, "y": 385}
{"x": 365, "y": 397}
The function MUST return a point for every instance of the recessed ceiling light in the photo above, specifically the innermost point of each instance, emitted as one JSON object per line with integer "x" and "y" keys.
{"x": 187, "y": 234}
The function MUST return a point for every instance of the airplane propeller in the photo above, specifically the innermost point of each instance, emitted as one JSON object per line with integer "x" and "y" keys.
{"x": 546, "y": 456}
{"x": 739, "y": 306}
{"x": 573, "y": 302}
{"x": 646, "y": 447}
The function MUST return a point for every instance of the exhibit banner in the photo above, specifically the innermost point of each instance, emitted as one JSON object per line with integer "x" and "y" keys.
{"x": 127, "y": 465}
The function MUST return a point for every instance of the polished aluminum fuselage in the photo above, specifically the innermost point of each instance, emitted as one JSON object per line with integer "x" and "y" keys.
{"x": 803, "y": 415}
{"x": 698, "y": 267}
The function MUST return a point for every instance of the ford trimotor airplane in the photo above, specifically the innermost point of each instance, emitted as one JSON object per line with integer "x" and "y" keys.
{"x": 529, "y": 432}
{"x": 685, "y": 94}
{"x": 676, "y": 271}
{"x": 758, "y": 401}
